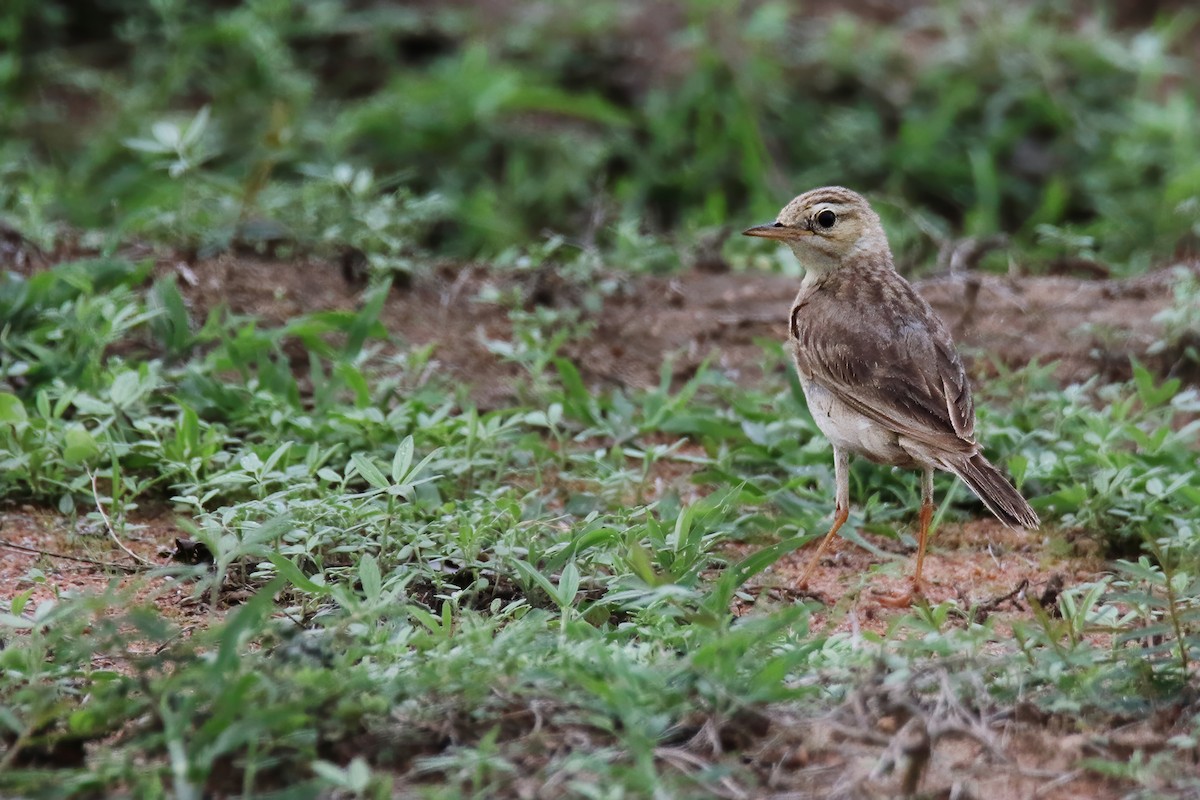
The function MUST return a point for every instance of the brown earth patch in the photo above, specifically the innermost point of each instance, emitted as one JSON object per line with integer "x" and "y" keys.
{"x": 1088, "y": 327}
{"x": 44, "y": 555}
{"x": 977, "y": 564}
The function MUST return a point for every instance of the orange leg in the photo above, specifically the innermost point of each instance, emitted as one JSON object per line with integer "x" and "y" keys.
{"x": 905, "y": 600}
{"x": 843, "y": 514}
{"x": 841, "y": 478}
{"x": 926, "y": 518}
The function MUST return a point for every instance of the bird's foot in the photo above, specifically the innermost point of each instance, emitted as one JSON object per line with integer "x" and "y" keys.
{"x": 904, "y": 600}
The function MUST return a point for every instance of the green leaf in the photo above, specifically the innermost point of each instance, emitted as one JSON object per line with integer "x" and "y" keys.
{"x": 90, "y": 406}
{"x": 331, "y": 773}
{"x": 550, "y": 100}
{"x": 402, "y": 460}
{"x": 734, "y": 577}
{"x": 125, "y": 389}
{"x": 531, "y": 573}
{"x": 371, "y": 473}
{"x": 1017, "y": 467}
{"x": 293, "y": 575}
{"x": 640, "y": 563}
{"x": 79, "y": 446}
{"x": 273, "y": 459}
{"x": 430, "y": 621}
{"x": 592, "y": 539}
{"x": 568, "y": 584}
{"x": 244, "y": 623}
{"x": 369, "y": 576}
{"x": 358, "y": 775}
{"x": 576, "y": 397}
{"x": 357, "y": 383}
{"x": 12, "y": 410}
{"x": 195, "y": 129}
{"x": 171, "y": 324}
{"x": 17, "y": 604}
{"x": 187, "y": 432}
{"x": 366, "y": 322}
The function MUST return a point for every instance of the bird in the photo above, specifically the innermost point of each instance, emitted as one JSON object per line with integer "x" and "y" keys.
{"x": 879, "y": 369}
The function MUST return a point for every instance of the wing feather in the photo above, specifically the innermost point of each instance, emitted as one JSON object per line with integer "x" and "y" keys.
{"x": 899, "y": 370}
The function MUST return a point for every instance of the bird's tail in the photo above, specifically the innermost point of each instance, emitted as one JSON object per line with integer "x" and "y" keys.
{"x": 990, "y": 486}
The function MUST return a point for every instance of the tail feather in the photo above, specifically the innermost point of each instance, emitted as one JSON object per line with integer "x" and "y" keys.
{"x": 990, "y": 486}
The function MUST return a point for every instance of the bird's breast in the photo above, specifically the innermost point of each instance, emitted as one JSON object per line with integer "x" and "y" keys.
{"x": 848, "y": 429}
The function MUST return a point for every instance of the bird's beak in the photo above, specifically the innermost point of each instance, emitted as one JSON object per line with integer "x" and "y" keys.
{"x": 773, "y": 230}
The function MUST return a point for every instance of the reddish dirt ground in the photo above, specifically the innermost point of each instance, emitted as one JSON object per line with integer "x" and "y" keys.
{"x": 973, "y": 563}
{"x": 1087, "y": 327}
{"x": 44, "y": 555}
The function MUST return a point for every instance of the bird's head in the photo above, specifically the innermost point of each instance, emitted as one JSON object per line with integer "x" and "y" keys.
{"x": 828, "y": 228}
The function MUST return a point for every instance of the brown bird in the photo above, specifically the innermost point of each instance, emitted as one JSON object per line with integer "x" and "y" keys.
{"x": 878, "y": 367}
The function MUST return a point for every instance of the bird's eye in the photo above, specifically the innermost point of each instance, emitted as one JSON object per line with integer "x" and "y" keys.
{"x": 826, "y": 218}
{"x": 777, "y": 225}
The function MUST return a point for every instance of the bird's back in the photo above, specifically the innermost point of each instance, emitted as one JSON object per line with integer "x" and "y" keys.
{"x": 877, "y": 344}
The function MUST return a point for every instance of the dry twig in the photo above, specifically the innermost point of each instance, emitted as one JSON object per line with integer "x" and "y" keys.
{"x": 108, "y": 524}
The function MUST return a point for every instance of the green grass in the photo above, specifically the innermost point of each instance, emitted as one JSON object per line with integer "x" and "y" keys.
{"x": 437, "y": 595}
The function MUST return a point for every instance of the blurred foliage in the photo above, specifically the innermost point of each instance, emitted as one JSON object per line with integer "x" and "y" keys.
{"x": 489, "y": 127}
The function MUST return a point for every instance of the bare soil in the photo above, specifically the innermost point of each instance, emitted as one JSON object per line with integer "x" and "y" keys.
{"x": 1088, "y": 328}
{"x": 44, "y": 554}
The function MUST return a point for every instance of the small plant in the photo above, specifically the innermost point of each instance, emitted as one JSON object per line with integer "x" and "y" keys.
{"x": 1179, "y": 347}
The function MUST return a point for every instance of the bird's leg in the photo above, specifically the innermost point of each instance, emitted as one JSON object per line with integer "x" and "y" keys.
{"x": 926, "y": 518}
{"x": 905, "y": 600}
{"x": 841, "y": 478}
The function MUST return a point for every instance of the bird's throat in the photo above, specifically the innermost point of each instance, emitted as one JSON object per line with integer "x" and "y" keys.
{"x": 817, "y": 265}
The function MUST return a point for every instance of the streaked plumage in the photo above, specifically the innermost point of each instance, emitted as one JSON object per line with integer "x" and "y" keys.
{"x": 878, "y": 366}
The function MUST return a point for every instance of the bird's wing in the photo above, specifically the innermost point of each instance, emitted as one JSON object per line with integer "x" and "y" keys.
{"x": 899, "y": 370}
